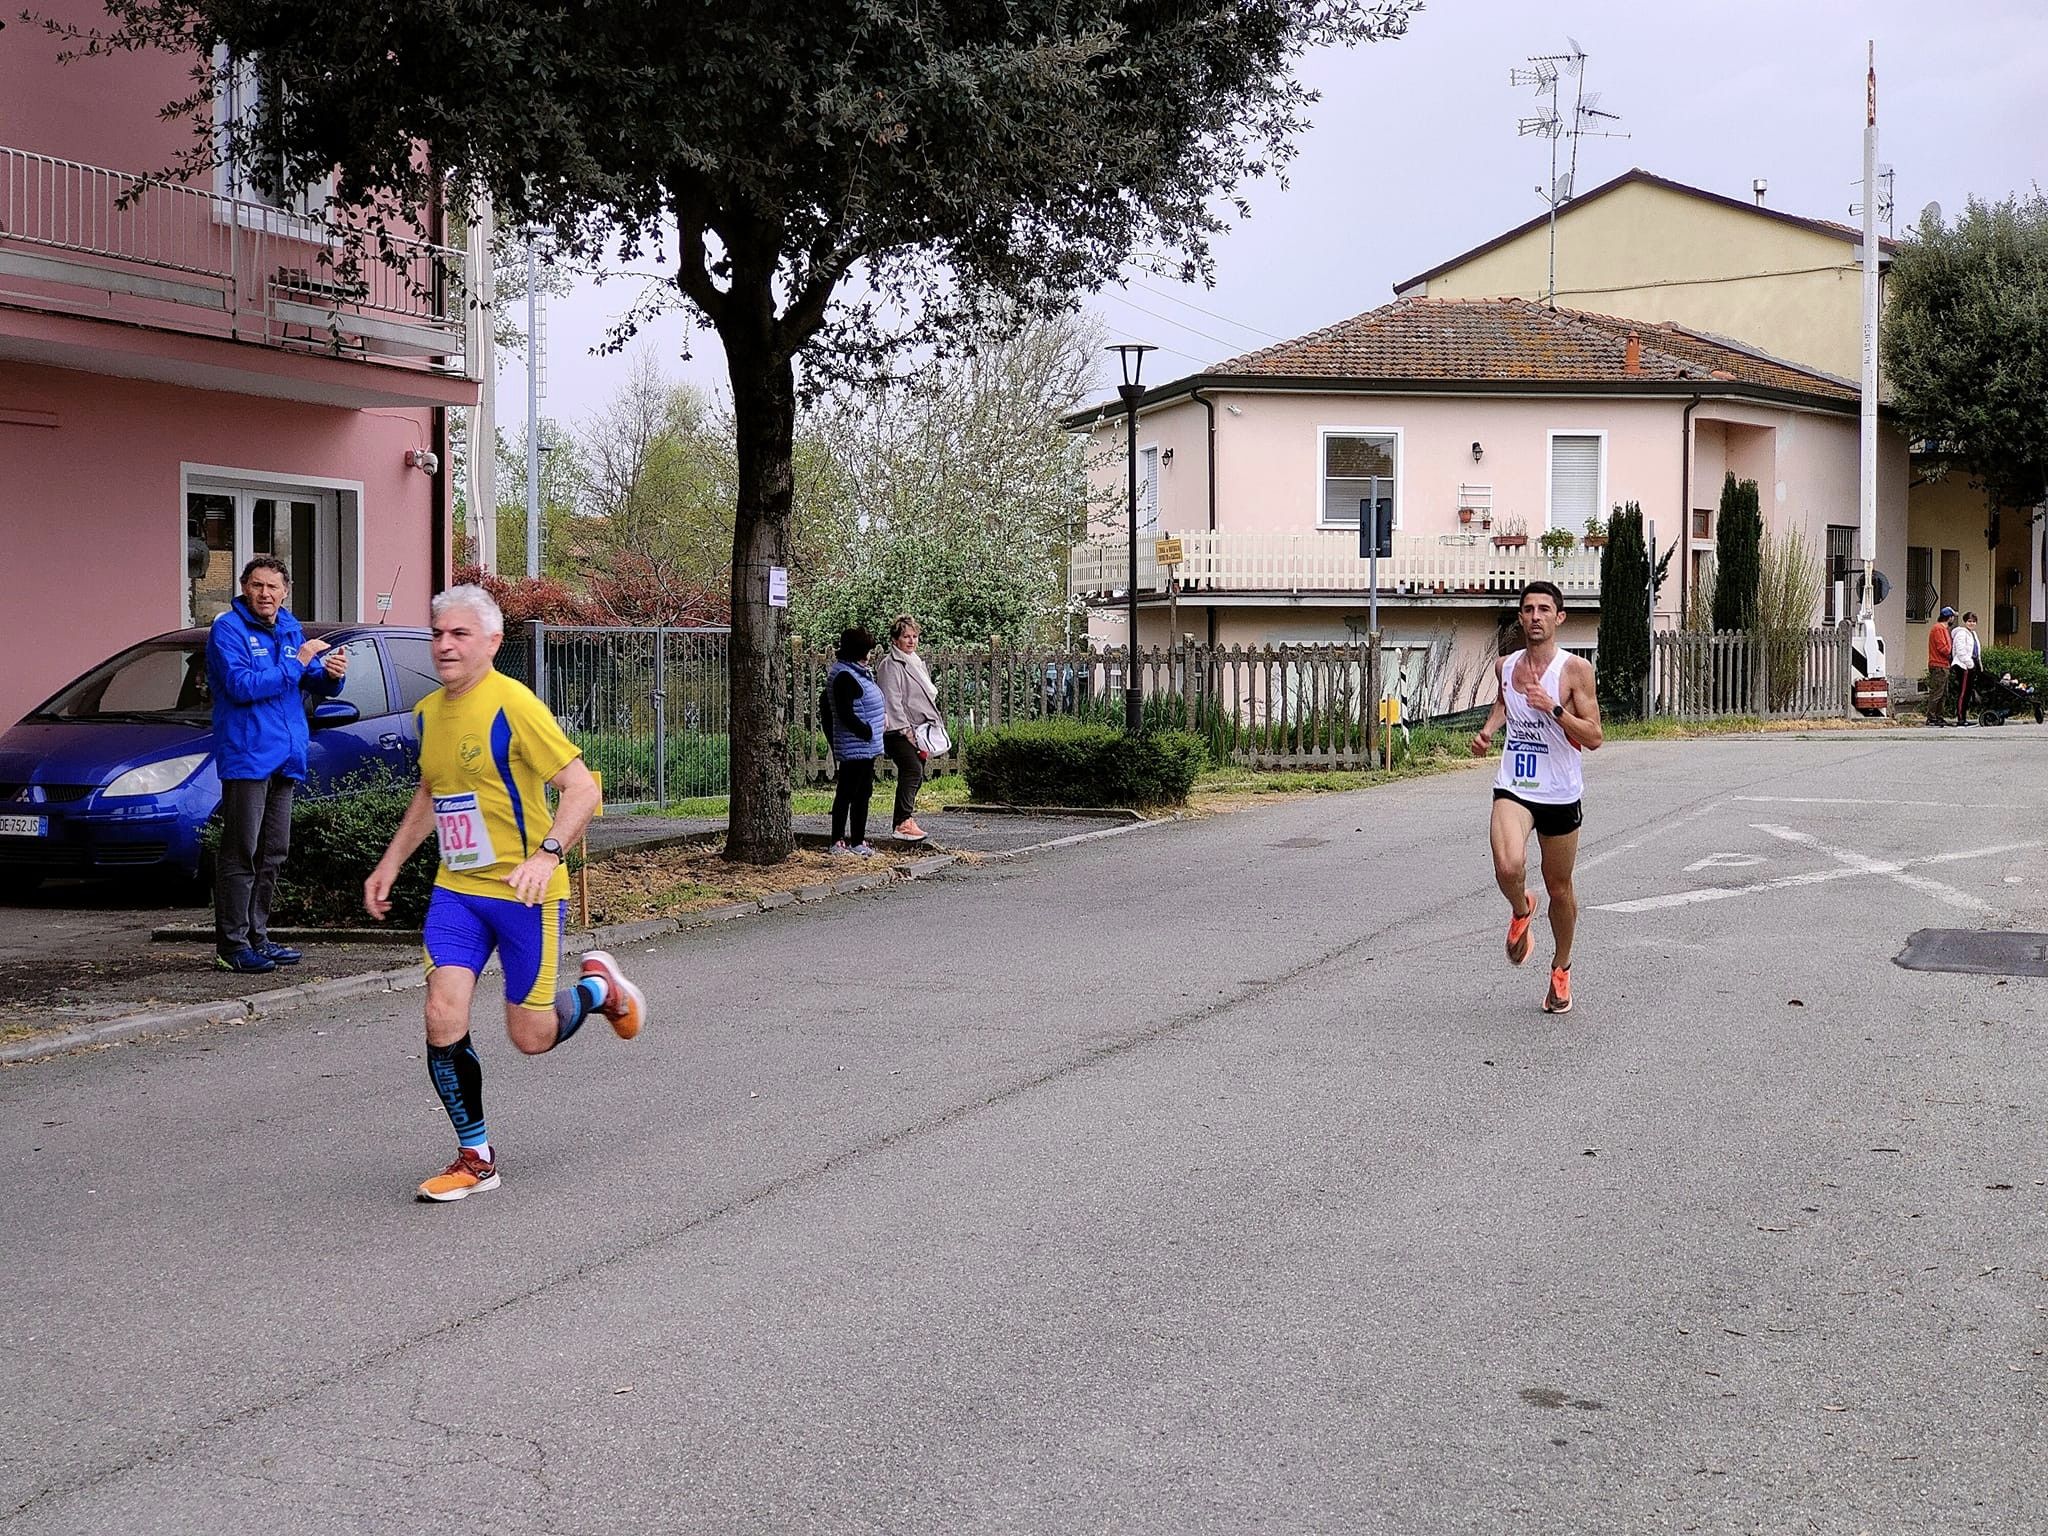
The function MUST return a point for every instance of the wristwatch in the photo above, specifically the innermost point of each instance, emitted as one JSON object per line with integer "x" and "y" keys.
{"x": 549, "y": 845}
{"x": 1556, "y": 712}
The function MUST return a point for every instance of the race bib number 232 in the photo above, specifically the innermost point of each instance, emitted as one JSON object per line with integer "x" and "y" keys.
{"x": 465, "y": 840}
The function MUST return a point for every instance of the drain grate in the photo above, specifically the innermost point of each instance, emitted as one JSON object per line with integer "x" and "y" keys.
{"x": 1975, "y": 953}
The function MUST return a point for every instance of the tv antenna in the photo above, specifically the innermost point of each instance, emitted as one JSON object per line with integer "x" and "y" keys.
{"x": 1886, "y": 178}
{"x": 1586, "y": 119}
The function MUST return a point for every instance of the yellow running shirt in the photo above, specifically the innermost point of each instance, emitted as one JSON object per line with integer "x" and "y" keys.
{"x": 486, "y": 758}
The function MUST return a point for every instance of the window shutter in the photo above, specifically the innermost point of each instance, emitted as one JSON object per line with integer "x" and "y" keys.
{"x": 1574, "y": 481}
{"x": 1148, "y": 490}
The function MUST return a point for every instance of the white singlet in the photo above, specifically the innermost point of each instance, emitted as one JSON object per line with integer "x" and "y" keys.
{"x": 1539, "y": 764}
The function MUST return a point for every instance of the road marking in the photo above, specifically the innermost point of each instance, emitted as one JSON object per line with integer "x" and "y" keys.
{"x": 1849, "y": 864}
{"x": 1724, "y": 861}
{"x": 1942, "y": 805}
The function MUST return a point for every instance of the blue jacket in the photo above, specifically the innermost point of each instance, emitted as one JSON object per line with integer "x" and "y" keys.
{"x": 856, "y": 711}
{"x": 253, "y": 673}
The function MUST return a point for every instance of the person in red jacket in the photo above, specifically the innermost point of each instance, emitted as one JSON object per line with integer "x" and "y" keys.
{"x": 1941, "y": 650}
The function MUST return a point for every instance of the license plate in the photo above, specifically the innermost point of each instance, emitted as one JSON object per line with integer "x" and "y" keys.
{"x": 24, "y": 826}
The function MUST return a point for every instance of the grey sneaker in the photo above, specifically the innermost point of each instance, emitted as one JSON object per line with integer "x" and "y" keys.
{"x": 840, "y": 847}
{"x": 865, "y": 850}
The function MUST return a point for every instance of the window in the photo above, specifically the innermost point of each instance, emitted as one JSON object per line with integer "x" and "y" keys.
{"x": 1358, "y": 466}
{"x": 1574, "y": 478}
{"x": 1842, "y": 567}
{"x": 1148, "y": 489}
{"x": 364, "y": 685}
{"x": 413, "y": 662}
{"x": 1920, "y": 592}
{"x": 247, "y": 96}
{"x": 1703, "y": 522}
{"x": 315, "y": 529}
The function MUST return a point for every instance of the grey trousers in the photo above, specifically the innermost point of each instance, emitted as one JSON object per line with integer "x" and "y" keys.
{"x": 255, "y": 835}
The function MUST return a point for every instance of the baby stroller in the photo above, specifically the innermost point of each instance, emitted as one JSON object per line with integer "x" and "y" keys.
{"x": 1998, "y": 701}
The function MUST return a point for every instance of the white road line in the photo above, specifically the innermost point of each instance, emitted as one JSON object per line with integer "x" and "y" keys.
{"x": 1942, "y": 805}
{"x": 1849, "y": 864}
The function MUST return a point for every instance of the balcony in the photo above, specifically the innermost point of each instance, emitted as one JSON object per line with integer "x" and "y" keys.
{"x": 82, "y": 240}
{"x": 1263, "y": 568}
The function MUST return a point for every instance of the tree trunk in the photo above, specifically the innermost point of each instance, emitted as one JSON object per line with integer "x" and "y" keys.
{"x": 758, "y": 827}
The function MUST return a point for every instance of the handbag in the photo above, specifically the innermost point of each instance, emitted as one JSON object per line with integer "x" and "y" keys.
{"x": 931, "y": 739}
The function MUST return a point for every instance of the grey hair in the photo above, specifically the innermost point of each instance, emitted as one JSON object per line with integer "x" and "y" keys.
{"x": 477, "y": 601}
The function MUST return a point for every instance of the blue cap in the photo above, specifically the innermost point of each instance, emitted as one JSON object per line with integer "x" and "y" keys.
{"x": 1947, "y": 613}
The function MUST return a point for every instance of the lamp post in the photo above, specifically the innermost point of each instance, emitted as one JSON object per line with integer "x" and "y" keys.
{"x": 1131, "y": 356}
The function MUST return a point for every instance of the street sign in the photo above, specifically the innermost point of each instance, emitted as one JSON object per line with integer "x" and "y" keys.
{"x": 1168, "y": 552}
{"x": 778, "y": 586}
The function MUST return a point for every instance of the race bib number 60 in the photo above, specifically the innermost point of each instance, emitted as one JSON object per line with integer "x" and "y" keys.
{"x": 465, "y": 840}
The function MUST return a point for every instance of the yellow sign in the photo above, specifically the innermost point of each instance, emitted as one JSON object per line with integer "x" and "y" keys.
{"x": 1168, "y": 552}
{"x": 1390, "y": 711}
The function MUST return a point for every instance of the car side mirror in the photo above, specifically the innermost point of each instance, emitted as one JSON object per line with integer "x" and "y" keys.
{"x": 334, "y": 712}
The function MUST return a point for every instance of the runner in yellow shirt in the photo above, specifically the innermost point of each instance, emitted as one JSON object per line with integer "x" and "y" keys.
{"x": 488, "y": 750}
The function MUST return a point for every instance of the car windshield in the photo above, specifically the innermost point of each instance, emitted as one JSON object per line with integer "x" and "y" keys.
{"x": 154, "y": 682}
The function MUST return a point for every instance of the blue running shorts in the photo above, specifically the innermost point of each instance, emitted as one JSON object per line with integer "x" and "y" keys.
{"x": 462, "y": 930}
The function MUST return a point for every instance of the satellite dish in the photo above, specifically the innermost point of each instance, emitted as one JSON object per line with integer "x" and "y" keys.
{"x": 1562, "y": 193}
{"x": 1931, "y": 211}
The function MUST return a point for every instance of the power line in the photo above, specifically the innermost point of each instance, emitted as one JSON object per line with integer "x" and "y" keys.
{"x": 1178, "y": 324}
{"x": 1176, "y": 299}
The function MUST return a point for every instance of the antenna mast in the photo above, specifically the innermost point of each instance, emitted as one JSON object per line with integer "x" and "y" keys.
{"x": 1543, "y": 71}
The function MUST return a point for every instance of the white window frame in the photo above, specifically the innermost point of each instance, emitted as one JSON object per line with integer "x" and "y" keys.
{"x": 246, "y": 205}
{"x": 1550, "y": 473}
{"x": 228, "y": 480}
{"x": 1148, "y": 488}
{"x": 1323, "y": 436}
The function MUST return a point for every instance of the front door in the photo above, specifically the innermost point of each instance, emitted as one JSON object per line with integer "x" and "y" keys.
{"x": 225, "y": 526}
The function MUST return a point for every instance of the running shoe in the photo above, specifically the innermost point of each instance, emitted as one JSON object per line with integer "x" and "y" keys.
{"x": 1519, "y": 940}
{"x": 865, "y": 850}
{"x": 244, "y": 962}
{"x": 624, "y": 1004}
{"x": 468, "y": 1175}
{"x": 840, "y": 847}
{"x": 910, "y": 832}
{"x": 280, "y": 954}
{"x": 1560, "y": 997}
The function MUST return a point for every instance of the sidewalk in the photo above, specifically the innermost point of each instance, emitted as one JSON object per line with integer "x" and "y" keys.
{"x": 80, "y": 953}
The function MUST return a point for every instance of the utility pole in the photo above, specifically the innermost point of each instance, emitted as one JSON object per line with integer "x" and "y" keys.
{"x": 535, "y": 342}
{"x": 1866, "y": 620}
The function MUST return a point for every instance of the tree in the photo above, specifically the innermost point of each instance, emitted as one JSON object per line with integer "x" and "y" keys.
{"x": 1623, "y": 659}
{"x": 954, "y": 495}
{"x": 1738, "y": 539}
{"x": 1966, "y": 344}
{"x": 848, "y": 181}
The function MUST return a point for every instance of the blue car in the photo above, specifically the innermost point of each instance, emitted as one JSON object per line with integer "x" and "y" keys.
{"x": 114, "y": 775}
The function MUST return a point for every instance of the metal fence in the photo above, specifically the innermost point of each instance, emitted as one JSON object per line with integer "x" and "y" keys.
{"x": 1800, "y": 674}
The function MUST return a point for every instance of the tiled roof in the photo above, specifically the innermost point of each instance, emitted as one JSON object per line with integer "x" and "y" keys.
{"x": 1507, "y": 341}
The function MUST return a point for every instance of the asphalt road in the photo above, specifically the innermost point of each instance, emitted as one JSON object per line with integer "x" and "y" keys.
{"x": 1218, "y": 1177}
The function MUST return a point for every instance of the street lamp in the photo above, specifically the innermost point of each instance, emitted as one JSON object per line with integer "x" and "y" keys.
{"x": 1131, "y": 355}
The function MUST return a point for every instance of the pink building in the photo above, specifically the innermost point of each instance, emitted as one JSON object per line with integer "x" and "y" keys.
{"x": 1477, "y": 423}
{"x": 185, "y": 382}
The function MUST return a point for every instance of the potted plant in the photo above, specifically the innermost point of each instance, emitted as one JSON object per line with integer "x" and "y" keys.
{"x": 1486, "y": 517}
{"x": 1513, "y": 534}
{"x": 1465, "y": 514}
{"x": 1596, "y": 533}
{"x": 1557, "y": 543}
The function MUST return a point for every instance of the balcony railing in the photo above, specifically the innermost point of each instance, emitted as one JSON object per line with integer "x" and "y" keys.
{"x": 1310, "y": 564}
{"x": 85, "y": 239}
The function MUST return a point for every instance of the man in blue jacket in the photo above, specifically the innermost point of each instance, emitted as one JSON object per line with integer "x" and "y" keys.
{"x": 259, "y": 666}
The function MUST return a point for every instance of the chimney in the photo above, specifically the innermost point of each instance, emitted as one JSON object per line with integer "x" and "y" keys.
{"x": 1632, "y": 359}
{"x": 1759, "y": 187}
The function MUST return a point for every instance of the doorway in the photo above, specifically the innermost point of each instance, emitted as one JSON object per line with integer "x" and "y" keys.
{"x": 314, "y": 530}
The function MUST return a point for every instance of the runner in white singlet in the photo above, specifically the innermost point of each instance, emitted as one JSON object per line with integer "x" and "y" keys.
{"x": 1552, "y": 713}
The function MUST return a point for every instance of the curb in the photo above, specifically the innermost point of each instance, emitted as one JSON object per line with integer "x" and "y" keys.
{"x": 263, "y": 1005}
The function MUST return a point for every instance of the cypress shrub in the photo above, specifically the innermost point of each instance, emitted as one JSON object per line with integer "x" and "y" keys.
{"x": 1738, "y": 556}
{"x": 1071, "y": 762}
{"x": 1624, "y": 655}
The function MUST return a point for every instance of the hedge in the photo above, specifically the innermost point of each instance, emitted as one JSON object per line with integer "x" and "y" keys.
{"x": 337, "y": 839}
{"x": 1070, "y": 762}
{"x": 2027, "y": 666}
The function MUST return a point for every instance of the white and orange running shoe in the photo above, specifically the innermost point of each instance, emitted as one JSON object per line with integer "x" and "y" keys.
{"x": 624, "y": 1004}
{"x": 471, "y": 1173}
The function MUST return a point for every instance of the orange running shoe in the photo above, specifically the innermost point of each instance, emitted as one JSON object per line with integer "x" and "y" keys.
{"x": 1519, "y": 941}
{"x": 624, "y": 1004}
{"x": 1560, "y": 998}
{"x": 469, "y": 1174}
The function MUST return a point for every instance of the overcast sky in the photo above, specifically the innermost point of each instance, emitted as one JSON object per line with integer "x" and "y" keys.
{"x": 1413, "y": 156}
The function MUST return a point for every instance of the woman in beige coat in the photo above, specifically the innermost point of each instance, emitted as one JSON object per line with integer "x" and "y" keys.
{"x": 909, "y": 699}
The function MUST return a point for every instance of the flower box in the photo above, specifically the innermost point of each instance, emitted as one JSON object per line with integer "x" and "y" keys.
{"x": 1510, "y": 540}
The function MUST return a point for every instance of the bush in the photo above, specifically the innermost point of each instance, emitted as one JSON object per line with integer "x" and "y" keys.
{"x": 696, "y": 764}
{"x": 2027, "y": 666}
{"x": 1069, "y": 762}
{"x": 337, "y": 839}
